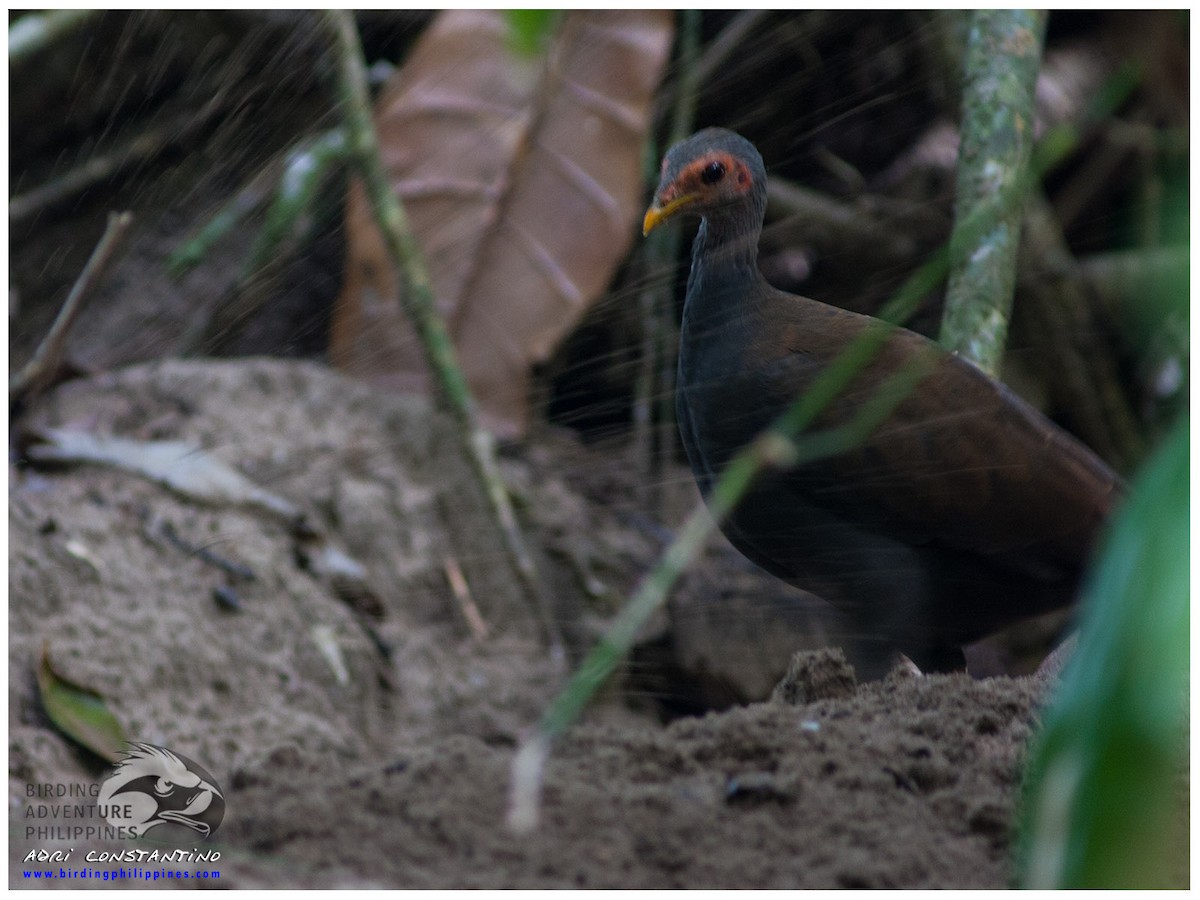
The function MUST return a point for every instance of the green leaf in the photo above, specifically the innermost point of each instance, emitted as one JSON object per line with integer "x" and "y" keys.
{"x": 529, "y": 28}
{"x": 78, "y": 712}
{"x": 1103, "y": 804}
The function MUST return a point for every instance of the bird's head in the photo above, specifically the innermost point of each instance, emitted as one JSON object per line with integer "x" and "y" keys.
{"x": 713, "y": 171}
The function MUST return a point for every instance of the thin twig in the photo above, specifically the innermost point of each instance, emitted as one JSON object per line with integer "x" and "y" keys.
{"x": 808, "y": 215}
{"x": 707, "y": 63}
{"x": 656, "y": 374}
{"x": 1083, "y": 381}
{"x": 1123, "y": 274}
{"x": 417, "y": 298}
{"x": 231, "y": 567}
{"x": 141, "y": 149}
{"x": 462, "y": 593}
{"x": 250, "y": 197}
{"x": 46, "y": 360}
{"x": 726, "y": 42}
{"x": 654, "y": 432}
{"x": 299, "y": 176}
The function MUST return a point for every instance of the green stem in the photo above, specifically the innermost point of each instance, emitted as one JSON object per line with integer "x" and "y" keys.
{"x": 417, "y": 297}
{"x": 1003, "y": 54}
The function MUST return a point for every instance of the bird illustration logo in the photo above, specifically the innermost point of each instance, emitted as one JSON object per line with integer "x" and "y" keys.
{"x": 152, "y": 786}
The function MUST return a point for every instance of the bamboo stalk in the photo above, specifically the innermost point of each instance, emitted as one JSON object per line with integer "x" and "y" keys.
{"x": 1004, "y": 49}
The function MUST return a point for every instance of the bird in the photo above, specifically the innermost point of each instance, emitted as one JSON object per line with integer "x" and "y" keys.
{"x": 965, "y": 510}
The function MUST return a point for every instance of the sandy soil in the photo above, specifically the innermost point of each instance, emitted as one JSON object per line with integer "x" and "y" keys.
{"x": 362, "y": 732}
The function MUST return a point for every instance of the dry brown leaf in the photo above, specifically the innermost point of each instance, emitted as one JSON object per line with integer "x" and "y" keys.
{"x": 521, "y": 177}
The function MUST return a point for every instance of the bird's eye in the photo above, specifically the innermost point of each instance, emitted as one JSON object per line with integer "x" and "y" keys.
{"x": 713, "y": 172}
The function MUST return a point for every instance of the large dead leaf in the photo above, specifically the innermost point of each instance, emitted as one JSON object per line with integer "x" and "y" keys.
{"x": 521, "y": 177}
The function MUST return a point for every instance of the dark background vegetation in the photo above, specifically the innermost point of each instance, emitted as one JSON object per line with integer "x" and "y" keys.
{"x": 178, "y": 112}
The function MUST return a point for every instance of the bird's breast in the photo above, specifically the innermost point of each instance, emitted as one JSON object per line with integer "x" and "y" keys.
{"x": 727, "y": 393}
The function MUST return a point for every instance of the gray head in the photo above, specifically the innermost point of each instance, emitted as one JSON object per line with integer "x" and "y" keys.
{"x": 715, "y": 173}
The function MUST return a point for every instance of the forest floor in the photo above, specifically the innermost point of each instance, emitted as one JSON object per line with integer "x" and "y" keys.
{"x": 364, "y": 738}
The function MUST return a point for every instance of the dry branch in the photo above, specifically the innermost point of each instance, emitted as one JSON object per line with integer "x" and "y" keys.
{"x": 141, "y": 149}
{"x": 47, "y": 359}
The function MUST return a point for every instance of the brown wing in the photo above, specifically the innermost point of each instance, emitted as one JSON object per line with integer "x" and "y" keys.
{"x": 961, "y": 462}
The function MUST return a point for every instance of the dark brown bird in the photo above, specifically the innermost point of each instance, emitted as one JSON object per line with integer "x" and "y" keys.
{"x": 964, "y": 511}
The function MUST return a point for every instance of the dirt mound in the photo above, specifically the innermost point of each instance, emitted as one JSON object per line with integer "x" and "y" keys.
{"x": 907, "y": 783}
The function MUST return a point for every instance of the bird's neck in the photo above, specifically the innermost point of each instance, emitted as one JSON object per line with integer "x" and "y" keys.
{"x": 724, "y": 272}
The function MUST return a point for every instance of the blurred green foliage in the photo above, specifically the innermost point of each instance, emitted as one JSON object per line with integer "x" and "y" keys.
{"x": 529, "y": 28}
{"x": 1103, "y": 806}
